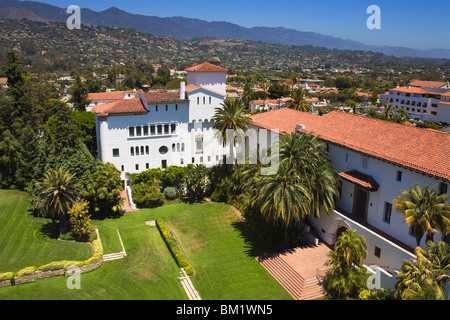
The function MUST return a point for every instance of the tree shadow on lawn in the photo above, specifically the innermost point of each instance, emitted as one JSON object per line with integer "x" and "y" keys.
{"x": 255, "y": 245}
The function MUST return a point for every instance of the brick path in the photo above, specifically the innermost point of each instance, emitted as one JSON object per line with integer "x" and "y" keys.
{"x": 296, "y": 270}
{"x": 126, "y": 206}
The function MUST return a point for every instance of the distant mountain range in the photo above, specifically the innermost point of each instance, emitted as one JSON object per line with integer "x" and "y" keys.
{"x": 182, "y": 28}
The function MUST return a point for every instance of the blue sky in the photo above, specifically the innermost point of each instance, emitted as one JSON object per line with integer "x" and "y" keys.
{"x": 411, "y": 23}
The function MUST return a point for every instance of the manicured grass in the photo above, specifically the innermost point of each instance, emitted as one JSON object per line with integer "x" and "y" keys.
{"x": 22, "y": 241}
{"x": 221, "y": 248}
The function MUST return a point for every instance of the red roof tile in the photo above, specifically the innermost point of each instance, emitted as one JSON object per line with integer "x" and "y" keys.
{"x": 132, "y": 106}
{"x": 360, "y": 179}
{"x": 114, "y": 95}
{"x": 423, "y": 150}
{"x": 163, "y": 96}
{"x": 206, "y": 67}
{"x": 428, "y": 84}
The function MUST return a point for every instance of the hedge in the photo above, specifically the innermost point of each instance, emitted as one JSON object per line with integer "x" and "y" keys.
{"x": 172, "y": 244}
{"x": 57, "y": 265}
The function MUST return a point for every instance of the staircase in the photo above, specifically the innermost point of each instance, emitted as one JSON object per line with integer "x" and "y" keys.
{"x": 113, "y": 256}
{"x": 294, "y": 283}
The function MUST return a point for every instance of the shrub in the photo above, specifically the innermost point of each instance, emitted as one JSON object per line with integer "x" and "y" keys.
{"x": 26, "y": 271}
{"x": 172, "y": 245}
{"x": 52, "y": 266}
{"x": 189, "y": 271}
{"x": 80, "y": 220}
{"x": 170, "y": 193}
{"x": 7, "y": 276}
{"x": 147, "y": 196}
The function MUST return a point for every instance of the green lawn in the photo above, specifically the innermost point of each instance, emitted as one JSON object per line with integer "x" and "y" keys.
{"x": 22, "y": 241}
{"x": 219, "y": 245}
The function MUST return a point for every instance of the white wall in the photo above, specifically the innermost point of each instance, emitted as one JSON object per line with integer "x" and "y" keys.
{"x": 385, "y": 174}
{"x": 215, "y": 81}
{"x": 200, "y": 107}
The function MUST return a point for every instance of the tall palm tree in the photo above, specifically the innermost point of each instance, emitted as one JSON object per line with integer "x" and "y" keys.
{"x": 295, "y": 77}
{"x": 350, "y": 250}
{"x": 282, "y": 198}
{"x": 231, "y": 116}
{"x": 425, "y": 211}
{"x": 308, "y": 155}
{"x": 298, "y": 101}
{"x": 58, "y": 191}
{"x": 305, "y": 183}
{"x": 343, "y": 280}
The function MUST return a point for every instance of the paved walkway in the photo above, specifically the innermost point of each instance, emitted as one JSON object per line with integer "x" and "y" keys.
{"x": 299, "y": 270}
{"x": 126, "y": 206}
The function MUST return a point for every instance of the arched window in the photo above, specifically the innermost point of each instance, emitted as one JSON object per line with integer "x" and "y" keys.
{"x": 147, "y": 150}
{"x": 132, "y": 151}
{"x": 137, "y": 151}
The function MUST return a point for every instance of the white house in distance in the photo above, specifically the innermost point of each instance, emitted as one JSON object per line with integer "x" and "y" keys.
{"x": 376, "y": 160}
{"x": 108, "y": 97}
{"x": 422, "y": 100}
{"x": 157, "y": 129}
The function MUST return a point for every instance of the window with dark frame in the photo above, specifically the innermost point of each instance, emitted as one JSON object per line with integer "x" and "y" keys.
{"x": 387, "y": 212}
{"x": 443, "y": 188}
{"x": 399, "y": 176}
{"x": 377, "y": 252}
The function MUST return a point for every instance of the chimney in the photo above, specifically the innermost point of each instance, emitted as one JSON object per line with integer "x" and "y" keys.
{"x": 182, "y": 90}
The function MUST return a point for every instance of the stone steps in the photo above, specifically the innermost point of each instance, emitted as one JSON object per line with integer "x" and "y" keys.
{"x": 113, "y": 256}
{"x": 298, "y": 287}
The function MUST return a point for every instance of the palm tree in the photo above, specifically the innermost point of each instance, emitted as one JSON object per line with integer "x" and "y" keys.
{"x": 388, "y": 109}
{"x": 231, "y": 116}
{"x": 196, "y": 181}
{"x": 305, "y": 183}
{"x": 58, "y": 191}
{"x": 350, "y": 250}
{"x": 425, "y": 211}
{"x": 282, "y": 198}
{"x": 298, "y": 101}
{"x": 424, "y": 278}
{"x": 346, "y": 278}
{"x": 295, "y": 77}
{"x": 308, "y": 155}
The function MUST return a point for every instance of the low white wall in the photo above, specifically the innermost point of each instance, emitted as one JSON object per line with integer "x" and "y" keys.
{"x": 392, "y": 256}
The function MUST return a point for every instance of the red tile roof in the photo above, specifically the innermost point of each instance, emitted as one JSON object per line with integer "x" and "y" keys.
{"x": 428, "y": 84}
{"x": 415, "y": 90}
{"x": 423, "y": 150}
{"x": 114, "y": 95}
{"x": 206, "y": 67}
{"x": 130, "y": 106}
{"x": 163, "y": 96}
{"x": 360, "y": 179}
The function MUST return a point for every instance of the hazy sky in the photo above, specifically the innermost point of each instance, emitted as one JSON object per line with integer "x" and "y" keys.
{"x": 411, "y": 23}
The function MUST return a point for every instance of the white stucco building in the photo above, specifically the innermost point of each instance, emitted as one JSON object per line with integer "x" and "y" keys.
{"x": 163, "y": 128}
{"x": 376, "y": 161}
{"x": 422, "y": 100}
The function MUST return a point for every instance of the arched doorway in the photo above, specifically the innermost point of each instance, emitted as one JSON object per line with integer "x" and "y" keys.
{"x": 340, "y": 231}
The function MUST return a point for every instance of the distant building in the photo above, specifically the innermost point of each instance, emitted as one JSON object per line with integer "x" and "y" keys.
{"x": 161, "y": 128}
{"x": 108, "y": 97}
{"x": 422, "y": 100}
